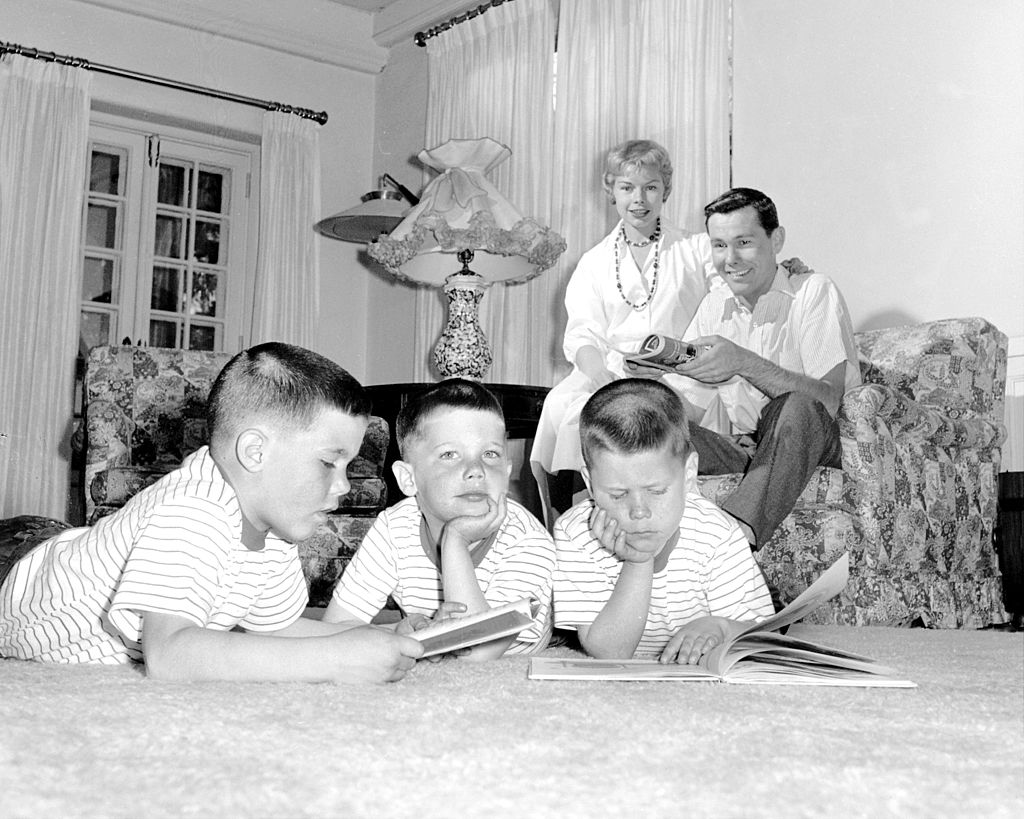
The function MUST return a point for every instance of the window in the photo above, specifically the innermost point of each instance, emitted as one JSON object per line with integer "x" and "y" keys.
{"x": 165, "y": 255}
{"x": 168, "y": 250}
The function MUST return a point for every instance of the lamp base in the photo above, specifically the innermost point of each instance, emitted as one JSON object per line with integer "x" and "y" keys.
{"x": 462, "y": 350}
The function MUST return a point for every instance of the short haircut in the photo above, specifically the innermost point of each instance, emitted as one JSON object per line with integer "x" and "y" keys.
{"x": 633, "y": 155}
{"x": 450, "y": 394}
{"x": 739, "y": 198}
{"x": 633, "y": 415}
{"x": 280, "y": 384}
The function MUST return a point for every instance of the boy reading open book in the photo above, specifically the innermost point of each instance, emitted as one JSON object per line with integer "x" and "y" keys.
{"x": 649, "y": 565}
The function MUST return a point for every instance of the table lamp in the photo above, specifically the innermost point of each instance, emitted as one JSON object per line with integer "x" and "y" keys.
{"x": 462, "y": 217}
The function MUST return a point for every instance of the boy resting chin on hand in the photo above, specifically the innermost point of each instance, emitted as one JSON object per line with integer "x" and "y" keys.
{"x": 456, "y": 545}
{"x": 649, "y": 566}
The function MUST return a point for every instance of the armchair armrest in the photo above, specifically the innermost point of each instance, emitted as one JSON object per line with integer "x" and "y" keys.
{"x": 865, "y": 406}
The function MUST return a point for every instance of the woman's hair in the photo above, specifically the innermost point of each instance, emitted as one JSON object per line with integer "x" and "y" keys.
{"x": 633, "y": 415}
{"x": 633, "y": 155}
{"x": 281, "y": 384}
{"x": 450, "y": 394}
{"x": 739, "y": 198}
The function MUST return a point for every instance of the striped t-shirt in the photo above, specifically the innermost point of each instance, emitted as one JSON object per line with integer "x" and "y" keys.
{"x": 711, "y": 571}
{"x": 175, "y": 548}
{"x": 392, "y": 561}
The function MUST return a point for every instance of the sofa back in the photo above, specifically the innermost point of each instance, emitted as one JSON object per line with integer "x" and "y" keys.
{"x": 956, "y": 365}
{"x": 145, "y": 410}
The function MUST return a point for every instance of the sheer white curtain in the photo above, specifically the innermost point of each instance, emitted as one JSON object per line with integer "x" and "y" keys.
{"x": 493, "y": 76}
{"x": 637, "y": 69}
{"x": 44, "y": 137}
{"x": 288, "y": 260}
{"x": 627, "y": 69}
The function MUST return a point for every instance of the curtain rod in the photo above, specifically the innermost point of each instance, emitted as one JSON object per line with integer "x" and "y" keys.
{"x": 35, "y": 54}
{"x": 421, "y": 37}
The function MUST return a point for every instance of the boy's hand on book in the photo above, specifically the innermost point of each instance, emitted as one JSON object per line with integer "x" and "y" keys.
{"x": 606, "y": 529}
{"x": 448, "y": 610}
{"x": 370, "y": 654}
{"x": 694, "y": 640}
{"x": 468, "y": 529}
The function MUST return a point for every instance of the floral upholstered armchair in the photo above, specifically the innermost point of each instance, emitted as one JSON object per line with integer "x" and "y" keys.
{"x": 915, "y": 502}
{"x": 146, "y": 410}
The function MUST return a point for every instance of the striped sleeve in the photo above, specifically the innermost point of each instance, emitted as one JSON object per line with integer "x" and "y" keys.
{"x": 825, "y": 328}
{"x": 585, "y": 575}
{"x": 372, "y": 574}
{"x": 734, "y": 586}
{"x": 521, "y": 564}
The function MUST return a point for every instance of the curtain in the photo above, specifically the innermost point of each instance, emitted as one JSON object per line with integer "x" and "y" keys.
{"x": 493, "y": 76}
{"x": 44, "y": 137}
{"x": 626, "y": 69}
{"x": 286, "y": 307}
{"x": 637, "y": 69}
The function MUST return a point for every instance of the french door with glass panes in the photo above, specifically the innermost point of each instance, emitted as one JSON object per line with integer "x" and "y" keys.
{"x": 165, "y": 256}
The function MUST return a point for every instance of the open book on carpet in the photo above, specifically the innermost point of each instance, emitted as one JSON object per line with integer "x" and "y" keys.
{"x": 755, "y": 654}
{"x": 463, "y": 632}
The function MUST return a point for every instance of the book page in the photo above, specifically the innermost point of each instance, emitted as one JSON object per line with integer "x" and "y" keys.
{"x": 571, "y": 668}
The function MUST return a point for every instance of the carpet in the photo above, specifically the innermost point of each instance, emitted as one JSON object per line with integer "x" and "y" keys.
{"x": 460, "y": 740}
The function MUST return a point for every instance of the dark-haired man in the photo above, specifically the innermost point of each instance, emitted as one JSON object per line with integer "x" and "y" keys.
{"x": 776, "y": 355}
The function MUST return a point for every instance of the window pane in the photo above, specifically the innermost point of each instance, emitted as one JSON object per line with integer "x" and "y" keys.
{"x": 202, "y": 337}
{"x": 204, "y": 294}
{"x": 98, "y": 280}
{"x": 168, "y": 237}
{"x": 93, "y": 330}
{"x": 105, "y": 173}
{"x": 212, "y": 191}
{"x": 166, "y": 294}
{"x": 101, "y": 226}
{"x": 208, "y": 242}
{"x": 163, "y": 333}
{"x": 172, "y": 188}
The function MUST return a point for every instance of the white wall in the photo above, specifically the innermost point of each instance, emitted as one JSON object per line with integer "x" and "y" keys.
{"x": 891, "y": 135}
{"x": 400, "y": 129}
{"x": 153, "y": 46}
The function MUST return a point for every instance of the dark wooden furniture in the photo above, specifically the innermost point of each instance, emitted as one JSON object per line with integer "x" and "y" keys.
{"x": 521, "y": 405}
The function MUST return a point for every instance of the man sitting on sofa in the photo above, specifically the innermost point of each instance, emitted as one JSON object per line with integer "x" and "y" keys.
{"x": 775, "y": 355}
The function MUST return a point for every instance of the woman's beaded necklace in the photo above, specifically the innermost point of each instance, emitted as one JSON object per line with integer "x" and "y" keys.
{"x": 654, "y": 269}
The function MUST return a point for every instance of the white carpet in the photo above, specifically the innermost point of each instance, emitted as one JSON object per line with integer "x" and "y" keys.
{"x": 455, "y": 739}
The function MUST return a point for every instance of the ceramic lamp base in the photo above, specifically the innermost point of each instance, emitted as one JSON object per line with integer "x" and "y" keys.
{"x": 462, "y": 350}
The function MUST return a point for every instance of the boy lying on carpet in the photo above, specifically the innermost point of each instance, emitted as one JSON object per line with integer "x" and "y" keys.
{"x": 457, "y": 544}
{"x": 649, "y": 565}
{"x": 210, "y": 546}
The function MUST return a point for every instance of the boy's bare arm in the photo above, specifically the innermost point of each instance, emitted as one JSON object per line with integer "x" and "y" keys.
{"x": 616, "y": 631}
{"x": 458, "y": 575}
{"x": 177, "y": 649}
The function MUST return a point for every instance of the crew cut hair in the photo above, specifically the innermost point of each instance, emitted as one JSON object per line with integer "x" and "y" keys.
{"x": 633, "y": 155}
{"x": 633, "y": 415}
{"x": 739, "y": 198}
{"x": 450, "y": 394}
{"x": 281, "y": 384}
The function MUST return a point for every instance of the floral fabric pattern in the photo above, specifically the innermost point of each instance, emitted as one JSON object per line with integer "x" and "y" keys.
{"x": 915, "y": 502}
{"x": 146, "y": 410}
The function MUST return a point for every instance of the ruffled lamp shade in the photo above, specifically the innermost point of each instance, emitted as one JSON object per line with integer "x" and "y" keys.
{"x": 462, "y": 216}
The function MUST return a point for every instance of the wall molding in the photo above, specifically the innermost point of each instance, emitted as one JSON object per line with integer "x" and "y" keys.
{"x": 337, "y": 35}
{"x": 401, "y": 20}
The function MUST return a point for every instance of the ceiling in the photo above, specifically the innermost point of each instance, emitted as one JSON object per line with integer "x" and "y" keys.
{"x": 365, "y": 5}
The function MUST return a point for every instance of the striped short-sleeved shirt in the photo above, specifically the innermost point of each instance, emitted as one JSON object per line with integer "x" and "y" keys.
{"x": 392, "y": 561}
{"x": 711, "y": 571}
{"x": 174, "y": 548}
